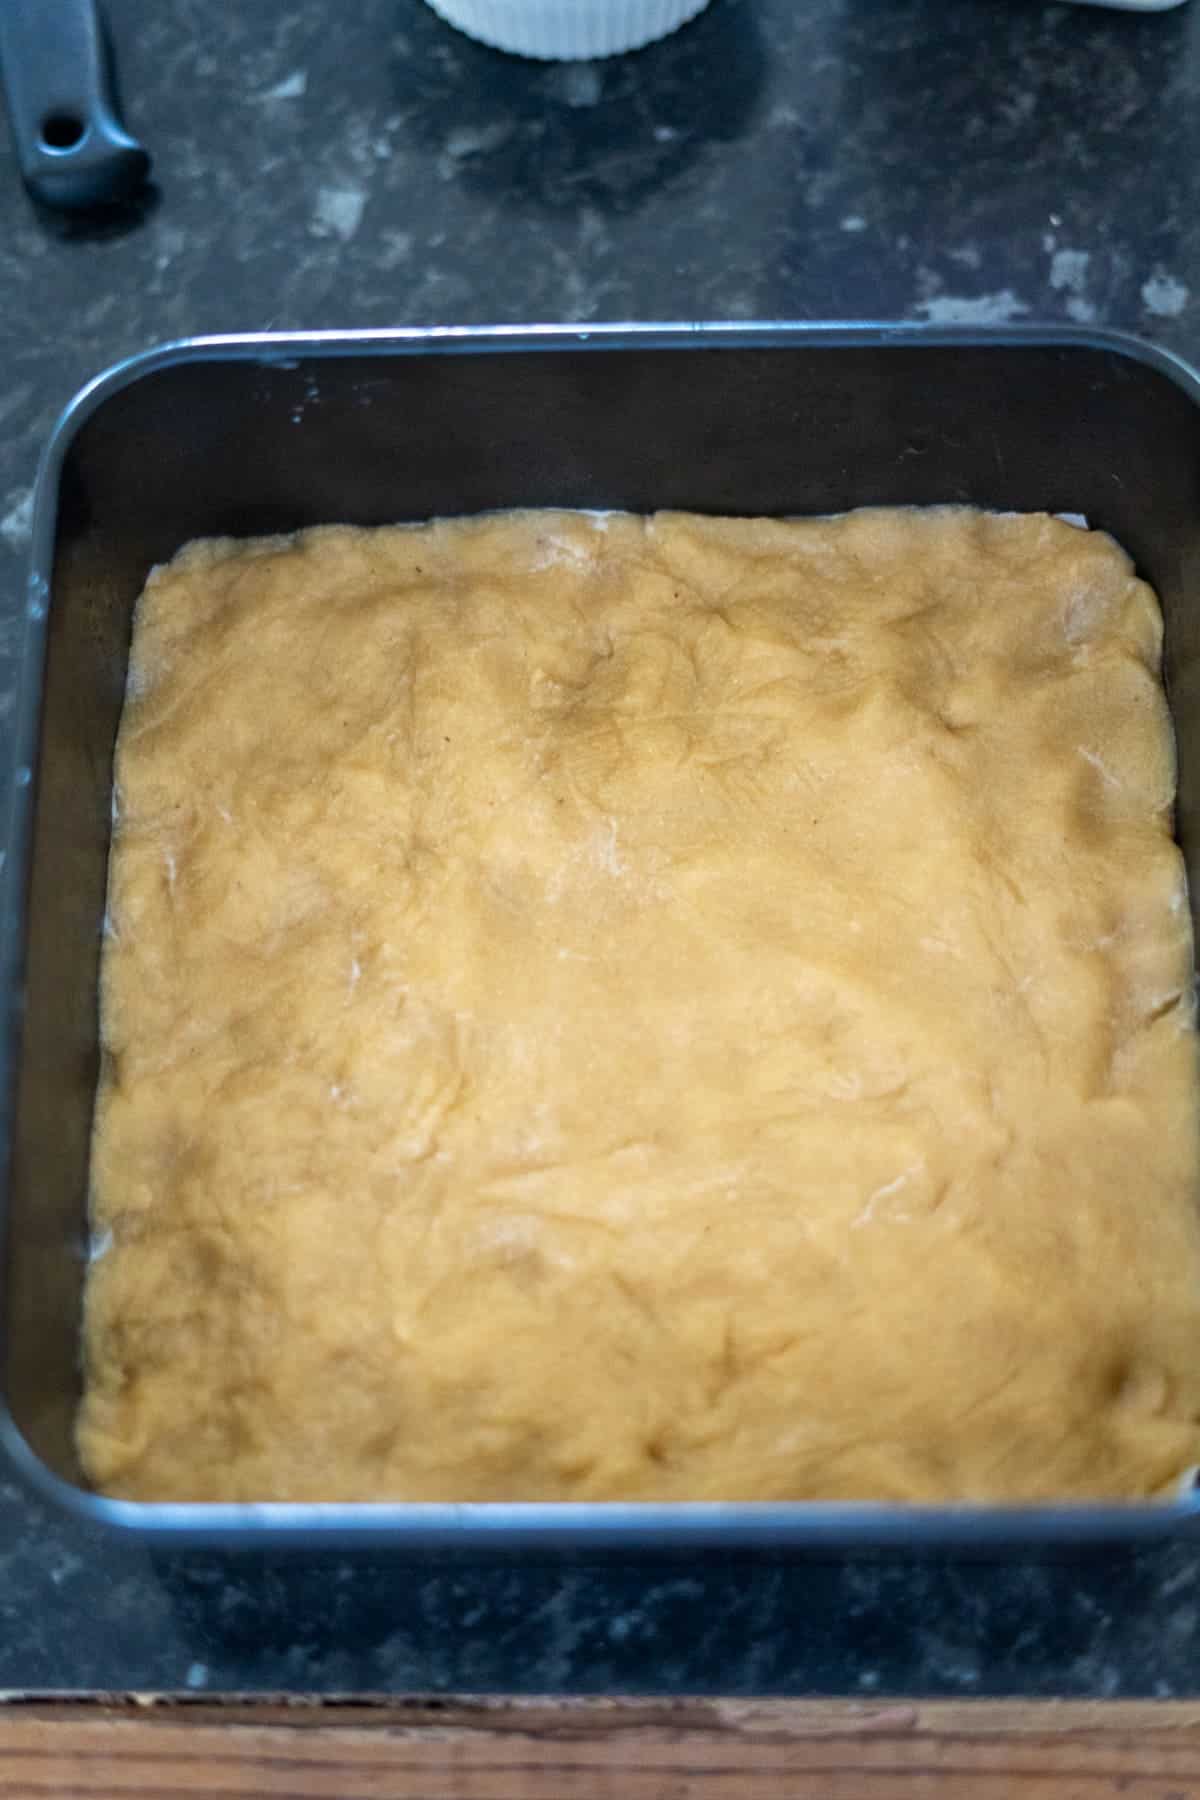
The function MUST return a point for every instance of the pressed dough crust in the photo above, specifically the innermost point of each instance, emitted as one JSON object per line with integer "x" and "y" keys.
{"x": 664, "y": 1008}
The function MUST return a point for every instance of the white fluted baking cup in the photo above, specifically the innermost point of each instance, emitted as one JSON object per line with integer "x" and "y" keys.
{"x": 567, "y": 30}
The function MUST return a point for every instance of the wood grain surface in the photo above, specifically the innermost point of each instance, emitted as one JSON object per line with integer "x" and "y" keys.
{"x": 619, "y": 1749}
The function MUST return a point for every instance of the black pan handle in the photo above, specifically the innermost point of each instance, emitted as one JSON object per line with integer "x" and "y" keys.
{"x": 73, "y": 150}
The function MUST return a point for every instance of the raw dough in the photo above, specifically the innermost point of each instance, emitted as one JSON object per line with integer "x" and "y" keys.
{"x": 676, "y": 1008}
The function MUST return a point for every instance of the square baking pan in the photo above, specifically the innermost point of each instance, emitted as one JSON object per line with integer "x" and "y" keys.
{"x": 245, "y": 435}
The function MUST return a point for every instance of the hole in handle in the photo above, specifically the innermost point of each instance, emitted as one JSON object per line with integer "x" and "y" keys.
{"x": 62, "y": 131}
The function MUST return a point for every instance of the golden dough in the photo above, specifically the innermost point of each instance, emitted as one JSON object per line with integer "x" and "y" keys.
{"x": 672, "y": 1008}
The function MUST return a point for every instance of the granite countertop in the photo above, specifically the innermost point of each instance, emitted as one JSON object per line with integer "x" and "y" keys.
{"x": 982, "y": 161}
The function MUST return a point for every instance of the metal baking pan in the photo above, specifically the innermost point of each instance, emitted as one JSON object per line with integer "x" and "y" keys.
{"x": 269, "y": 433}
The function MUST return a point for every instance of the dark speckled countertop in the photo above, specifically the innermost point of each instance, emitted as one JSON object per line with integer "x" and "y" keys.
{"x": 362, "y": 165}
